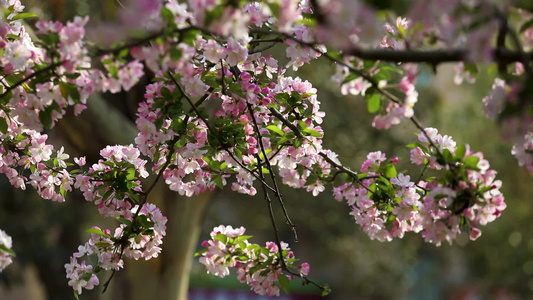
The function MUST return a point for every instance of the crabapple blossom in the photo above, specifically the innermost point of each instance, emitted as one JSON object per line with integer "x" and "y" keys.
{"x": 230, "y": 248}
{"x": 6, "y": 253}
{"x": 264, "y": 125}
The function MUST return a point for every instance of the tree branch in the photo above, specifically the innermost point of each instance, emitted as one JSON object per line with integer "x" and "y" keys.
{"x": 433, "y": 57}
{"x": 271, "y": 171}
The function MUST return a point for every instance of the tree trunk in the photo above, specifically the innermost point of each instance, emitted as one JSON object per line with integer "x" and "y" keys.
{"x": 167, "y": 277}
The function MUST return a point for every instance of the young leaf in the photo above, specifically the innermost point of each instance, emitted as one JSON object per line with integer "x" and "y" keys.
{"x": 312, "y": 132}
{"x": 460, "y": 152}
{"x": 217, "y": 179}
{"x": 284, "y": 282}
{"x": 3, "y": 125}
{"x": 6, "y": 250}
{"x": 275, "y": 129}
{"x": 24, "y": 16}
{"x": 390, "y": 171}
{"x": 326, "y": 291}
{"x": 97, "y": 231}
{"x": 45, "y": 117}
{"x": 471, "y": 162}
{"x": 374, "y": 103}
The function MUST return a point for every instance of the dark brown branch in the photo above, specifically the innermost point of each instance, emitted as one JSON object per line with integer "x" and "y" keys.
{"x": 433, "y": 57}
{"x": 32, "y": 75}
{"x": 100, "y": 52}
{"x": 286, "y": 122}
{"x": 138, "y": 42}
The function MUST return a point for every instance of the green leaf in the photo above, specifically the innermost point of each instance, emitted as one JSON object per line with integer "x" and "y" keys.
{"x": 68, "y": 89}
{"x": 237, "y": 89}
{"x": 471, "y": 68}
{"x": 124, "y": 221}
{"x": 373, "y": 102}
{"x": 243, "y": 237}
{"x": 24, "y": 16}
{"x": 45, "y": 117}
{"x": 311, "y": 180}
{"x": 124, "y": 52}
{"x": 8, "y": 251}
{"x": 261, "y": 156}
{"x": 302, "y": 124}
{"x": 242, "y": 245}
{"x": 312, "y": 132}
{"x": 98, "y": 232}
{"x": 218, "y": 181}
{"x": 284, "y": 282}
{"x": 237, "y": 153}
{"x": 166, "y": 15}
{"x": 361, "y": 175}
{"x": 471, "y": 162}
{"x": 390, "y": 171}
{"x": 13, "y": 78}
{"x": 326, "y": 291}
{"x": 175, "y": 54}
{"x": 3, "y": 125}
{"x": 213, "y": 15}
{"x": 221, "y": 237}
{"x": 460, "y": 152}
{"x": 200, "y": 252}
{"x": 142, "y": 220}
{"x": 107, "y": 195}
{"x": 274, "y": 8}
{"x": 211, "y": 80}
{"x": 275, "y": 129}
{"x": 350, "y": 78}
{"x": 297, "y": 143}
{"x": 13, "y": 36}
{"x": 165, "y": 92}
{"x": 526, "y": 25}
{"x": 282, "y": 98}
{"x": 448, "y": 158}
{"x": 130, "y": 174}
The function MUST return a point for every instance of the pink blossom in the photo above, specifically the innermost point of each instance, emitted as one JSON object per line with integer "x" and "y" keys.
{"x": 236, "y": 52}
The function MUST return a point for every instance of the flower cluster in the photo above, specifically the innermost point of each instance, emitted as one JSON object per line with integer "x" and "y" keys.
{"x": 387, "y": 204}
{"x": 139, "y": 236}
{"x": 259, "y": 267}
{"x": 112, "y": 183}
{"x": 6, "y": 254}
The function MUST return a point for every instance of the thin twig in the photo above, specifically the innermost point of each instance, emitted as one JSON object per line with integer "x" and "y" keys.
{"x": 271, "y": 171}
{"x": 258, "y": 50}
{"x": 272, "y": 217}
{"x": 144, "y": 200}
{"x": 195, "y": 109}
{"x": 32, "y": 75}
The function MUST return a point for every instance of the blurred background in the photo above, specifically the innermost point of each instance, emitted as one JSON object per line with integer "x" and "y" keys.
{"x": 499, "y": 265}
